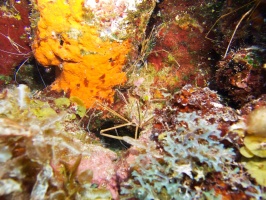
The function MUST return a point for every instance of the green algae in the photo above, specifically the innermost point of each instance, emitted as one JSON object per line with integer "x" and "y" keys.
{"x": 80, "y": 107}
{"x": 62, "y": 102}
{"x": 257, "y": 169}
{"x": 5, "y": 79}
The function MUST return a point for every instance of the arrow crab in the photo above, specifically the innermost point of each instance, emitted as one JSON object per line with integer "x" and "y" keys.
{"x": 133, "y": 116}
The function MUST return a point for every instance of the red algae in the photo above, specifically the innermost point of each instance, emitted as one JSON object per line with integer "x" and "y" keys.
{"x": 14, "y": 35}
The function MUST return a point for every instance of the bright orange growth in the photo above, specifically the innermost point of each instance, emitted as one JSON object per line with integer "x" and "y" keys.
{"x": 90, "y": 65}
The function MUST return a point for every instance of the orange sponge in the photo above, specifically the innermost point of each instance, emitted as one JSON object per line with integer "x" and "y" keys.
{"x": 90, "y": 65}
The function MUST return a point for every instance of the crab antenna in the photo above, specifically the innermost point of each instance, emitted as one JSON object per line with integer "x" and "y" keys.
{"x": 15, "y": 75}
{"x": 238, "y": 24}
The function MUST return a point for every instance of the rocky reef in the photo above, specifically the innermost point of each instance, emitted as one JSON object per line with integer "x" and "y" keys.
{"x": 142, "y": 99}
